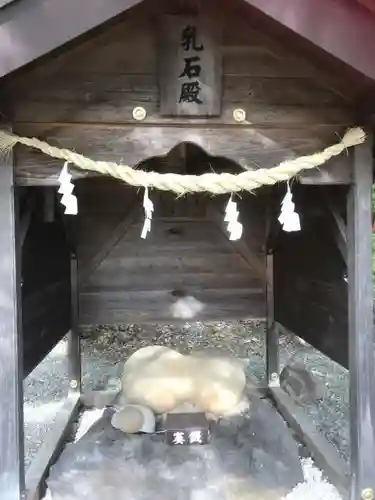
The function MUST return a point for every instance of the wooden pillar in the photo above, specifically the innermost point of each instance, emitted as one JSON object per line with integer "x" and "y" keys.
{"x": 74, "y": 341}
{"x": 272, "y": 338}
{"x": 361, "y": 337}
{"x": 11, "y": 376}
{"x": 272, "y": 332}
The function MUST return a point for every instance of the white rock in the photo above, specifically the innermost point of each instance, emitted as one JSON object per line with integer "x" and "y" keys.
{"x": 186, "y": 308}
{"x": 162, "y": 379}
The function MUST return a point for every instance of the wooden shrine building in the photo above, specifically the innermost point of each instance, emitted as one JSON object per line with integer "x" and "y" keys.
{"x": 250, "y": 84}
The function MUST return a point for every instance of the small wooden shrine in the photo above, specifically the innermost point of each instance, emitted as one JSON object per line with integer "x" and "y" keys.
{"x": 214, "y": 94}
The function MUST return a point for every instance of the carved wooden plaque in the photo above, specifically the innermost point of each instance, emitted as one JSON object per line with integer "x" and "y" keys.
{"x": 190, "y": 66}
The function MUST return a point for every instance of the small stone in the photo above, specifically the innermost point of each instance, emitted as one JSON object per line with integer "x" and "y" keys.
{"x": 134, "y": 418}
{"x": 129, "y": 420}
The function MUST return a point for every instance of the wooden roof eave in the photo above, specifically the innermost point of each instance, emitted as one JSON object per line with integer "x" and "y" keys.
{"x": 32, "y": 29}
{"x": 340, "y": 28}
{"x": 29, "y": 30}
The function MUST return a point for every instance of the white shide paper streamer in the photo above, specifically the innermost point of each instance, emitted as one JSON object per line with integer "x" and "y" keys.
{"x": 148, "y": 207}
{"x": 231, "y": 217}
{"x": 288, "y": 218}
{"x": 68, "y": 199}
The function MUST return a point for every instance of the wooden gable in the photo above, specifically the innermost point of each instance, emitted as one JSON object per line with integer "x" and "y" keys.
{"x": 84, "y": 99}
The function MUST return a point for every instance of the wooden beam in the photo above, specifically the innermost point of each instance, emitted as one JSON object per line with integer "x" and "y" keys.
{"x": 342, "y": 29}
{"x": 11, "y": 373}
{"x": 51, "y": 447}
{"x": 22, "y": 40}
{"x": 26, "y": 219}
{"x": 361, "y": 331}
{"x": 272, "y": 332}
{"x": 74, "y": 338}
{"x": 272, "y": 337}
{"x": 131, "y": 144}
{"x": 340, "y": 230}
{"x": 325, "y": 455}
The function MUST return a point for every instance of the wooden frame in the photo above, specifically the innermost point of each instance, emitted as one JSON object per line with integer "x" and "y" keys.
{"x": 362, "y": 381}
{"x": 361, "y": 330}
{"x": 11, "y": 366}
{"x": 38, "y": 469}
{"x": 319, "y": 22}
{"x": 355, "y": 241}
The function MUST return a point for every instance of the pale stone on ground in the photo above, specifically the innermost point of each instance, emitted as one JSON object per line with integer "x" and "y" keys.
{"x": 134, "y": 418}
{"x": 162, "y": 379}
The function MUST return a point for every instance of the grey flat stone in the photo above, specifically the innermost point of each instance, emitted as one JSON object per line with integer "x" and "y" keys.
{"x": 249, "y": 457}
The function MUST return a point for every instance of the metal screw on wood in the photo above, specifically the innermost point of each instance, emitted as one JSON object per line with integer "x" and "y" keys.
{"x": 239, "y": 115}
{"x": 367, "y": 494}
{"x": 139, "y": 113}
{"x": 73, "y": 384}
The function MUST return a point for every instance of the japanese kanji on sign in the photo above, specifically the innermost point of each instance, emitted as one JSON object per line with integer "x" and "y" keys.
{"x": 190, "y": 76}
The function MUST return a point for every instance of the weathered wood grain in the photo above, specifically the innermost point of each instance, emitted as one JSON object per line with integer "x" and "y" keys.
{"x": 117, "y": 109}
{"x": 187, "y": 281}
{"x": 141, "y": 308}
{"x": 109, "y": 243}
{"x": 336, "y": 171}
{"x": 251, "y": 149}
{"x": 111, "y": 50}
{"x": 201, "y": 54}
{"x": 46, "y": 286}
{"x": 12, "y": 476}
{"x": 361, "y": 321}
{"x": 310, "y": 290}
{"x": 77, "y": 92}
{"x": 255, "y": 260}
{"x": 184, "y": 251}
{"x": 83, "y": 98}
{"x": 193, "y": 263}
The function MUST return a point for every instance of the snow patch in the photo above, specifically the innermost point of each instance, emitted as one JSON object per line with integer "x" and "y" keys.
{"x": 315, "y": 486}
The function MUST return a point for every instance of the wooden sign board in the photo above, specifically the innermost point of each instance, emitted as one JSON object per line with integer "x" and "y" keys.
{"x": 190, "y": 66}
{"x": 187, "y": 429}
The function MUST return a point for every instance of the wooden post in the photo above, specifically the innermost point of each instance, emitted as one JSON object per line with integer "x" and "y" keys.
{"x": 361, "y": 337}
{"x": 272, "y": 339}
{"x": 272, "y": 330}
{"x": 11, "y": 376}
{"x": 74, "y": 341}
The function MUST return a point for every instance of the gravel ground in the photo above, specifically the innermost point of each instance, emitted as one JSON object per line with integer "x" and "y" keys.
{"x": 105, "y": 348}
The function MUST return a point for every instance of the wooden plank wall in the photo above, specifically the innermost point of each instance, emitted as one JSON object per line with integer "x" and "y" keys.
{"x": 45, "y": 268}
{"x": 83, "y": 99}
{"x": 124, "y": 279}
{"x": 310, "y": 291}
